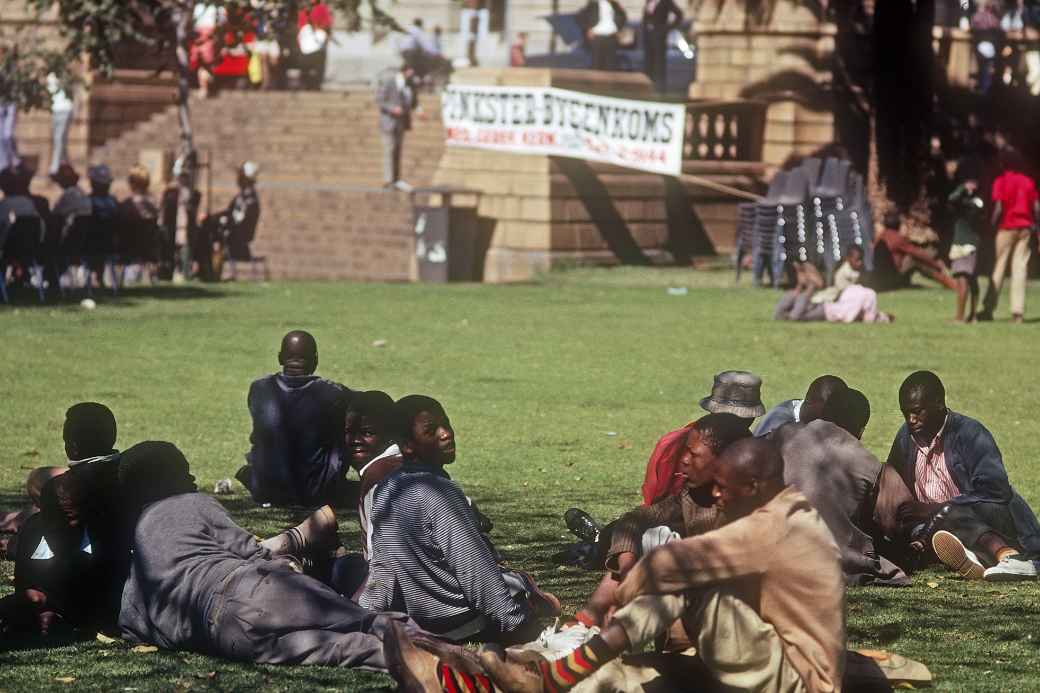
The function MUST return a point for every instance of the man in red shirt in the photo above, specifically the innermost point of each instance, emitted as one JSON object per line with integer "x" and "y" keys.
{"x": 1016, "y": 207}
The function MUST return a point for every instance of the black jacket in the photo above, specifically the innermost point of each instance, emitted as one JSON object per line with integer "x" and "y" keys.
{"x": 588, "y": 16}
{"x": 658, "y": 21}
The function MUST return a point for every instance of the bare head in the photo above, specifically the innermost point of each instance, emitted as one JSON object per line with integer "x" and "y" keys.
{"x": 299, "y": 353}
{"x": 748, "y": 474}
{"x": 820, "y": 390}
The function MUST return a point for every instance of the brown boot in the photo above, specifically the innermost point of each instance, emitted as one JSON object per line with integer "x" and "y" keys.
{"x": 509, "y": 675}
{"x": 414, "y": 670}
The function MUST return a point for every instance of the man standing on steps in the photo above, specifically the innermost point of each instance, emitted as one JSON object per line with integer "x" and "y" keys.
{"x": 395, "y": 99}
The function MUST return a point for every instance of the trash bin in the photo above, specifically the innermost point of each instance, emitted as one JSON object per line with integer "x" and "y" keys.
{"x": 446, "y": 234}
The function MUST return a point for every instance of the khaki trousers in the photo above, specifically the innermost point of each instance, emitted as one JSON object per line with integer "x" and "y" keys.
{"x": 1011, "y": 244}
{"x": 738, "y": 648}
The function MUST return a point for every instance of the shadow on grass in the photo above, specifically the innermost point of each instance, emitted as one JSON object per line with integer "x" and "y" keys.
{"x": 23, "y": 298}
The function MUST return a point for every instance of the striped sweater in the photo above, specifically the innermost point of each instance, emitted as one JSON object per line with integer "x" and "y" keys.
{"x": 429, "y": 558}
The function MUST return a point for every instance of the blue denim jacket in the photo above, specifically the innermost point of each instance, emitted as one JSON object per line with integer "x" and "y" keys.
{"x": 976, "y": 466}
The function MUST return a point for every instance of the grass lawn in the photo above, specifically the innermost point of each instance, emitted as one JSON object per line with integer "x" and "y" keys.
{"x": 557, "y": 391}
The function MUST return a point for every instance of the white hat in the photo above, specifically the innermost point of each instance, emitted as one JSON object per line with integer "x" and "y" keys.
{"x": 250, "y": 169}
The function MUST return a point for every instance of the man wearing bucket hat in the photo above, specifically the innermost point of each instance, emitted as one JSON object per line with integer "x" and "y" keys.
{"x": 733, "y": 392}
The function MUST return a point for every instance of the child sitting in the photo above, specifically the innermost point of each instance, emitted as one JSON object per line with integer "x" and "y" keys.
{"x": 428, "y": 555}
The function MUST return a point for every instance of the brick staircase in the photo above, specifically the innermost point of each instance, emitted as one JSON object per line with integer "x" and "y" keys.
{"x": 324, "y": 214}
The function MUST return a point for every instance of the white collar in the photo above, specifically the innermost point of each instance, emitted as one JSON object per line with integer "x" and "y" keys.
{"x": 797, "y": 408}
{"x": 89, "y": 460}
{"x": 391, "y": 451}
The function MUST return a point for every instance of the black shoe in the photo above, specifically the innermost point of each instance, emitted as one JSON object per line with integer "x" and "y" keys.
{"x": 581, "y": 525}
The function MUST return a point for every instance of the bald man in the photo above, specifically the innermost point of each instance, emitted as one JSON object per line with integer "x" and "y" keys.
{"x": 762, "y": 599}
{"x": 297, "y": 435}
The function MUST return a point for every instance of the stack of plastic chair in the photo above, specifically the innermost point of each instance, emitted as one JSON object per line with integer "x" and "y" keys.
{"x": 765, "y": 251}
{"x": 793, "y": 230}
{"x": 830, "y": 202}
{"x": 860, "y": 224}
{"x": 23, "y": 248}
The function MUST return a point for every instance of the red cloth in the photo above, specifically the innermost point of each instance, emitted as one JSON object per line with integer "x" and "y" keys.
{"x": 1017, "y": 195}
{"x": 661, "y": 480}
{"x": 320, "y": 17}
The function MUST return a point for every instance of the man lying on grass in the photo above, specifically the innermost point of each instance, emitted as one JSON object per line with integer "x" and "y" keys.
{"x": 428, "y": 555}
{"x": 693, "y": 511}
{"x": 200, "y": 582}
{"x": 762, "y": 601}
{"x": 945, "y": 485}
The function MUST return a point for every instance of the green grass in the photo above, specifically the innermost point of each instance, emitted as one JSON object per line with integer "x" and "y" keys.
{"x": 534, "y": 378}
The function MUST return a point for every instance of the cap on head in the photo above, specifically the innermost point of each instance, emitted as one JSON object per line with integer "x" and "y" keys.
{"x": 720, "y": 430}
{"x": 735, "y": 392}
{"x": 89, "y": 430}
{"x": 299, "y": 353}
{"x": 927, "y": 384}
{"x": 249, "y": 169}
{"x": 100, "y": 174}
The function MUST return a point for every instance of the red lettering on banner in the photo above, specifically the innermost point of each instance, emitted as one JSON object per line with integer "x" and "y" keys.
{"x": 496, "y": 137}
{"x": 539, "y": 137}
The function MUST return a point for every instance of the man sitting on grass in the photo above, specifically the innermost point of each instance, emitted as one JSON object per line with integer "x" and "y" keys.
{"x": 297, "y": 431}
{"x": 89, "y": 434}
{"x": 761, "y": 599}
{"x": 688, "y": 514}
{"x": 428, "y": 555}
{"x": 802, "y": 410}
{"x": 827, "y": 463}
{"x": 200, "y": 582}
{"x": 734, "y": 392}
{"x": 956, "y": 491}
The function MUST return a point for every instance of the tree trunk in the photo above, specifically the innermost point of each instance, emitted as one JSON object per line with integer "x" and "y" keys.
{"x": 183, "y": 19}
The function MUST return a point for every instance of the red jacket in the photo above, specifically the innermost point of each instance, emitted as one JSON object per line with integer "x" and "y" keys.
{"x": 662, "y": 470}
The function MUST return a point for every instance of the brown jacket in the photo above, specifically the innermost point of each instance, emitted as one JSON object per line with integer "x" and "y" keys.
{"x": 783, "y": 560}
{"x": 681, "y": 513}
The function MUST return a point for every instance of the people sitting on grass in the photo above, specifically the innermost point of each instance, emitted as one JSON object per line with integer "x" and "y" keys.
{"x": 297, "y": 435}
{"x": 804, "y": 410}
{"x": 855, "y": 304}
{"x": 759, "y": 601}
{"x": 201, "y": 583}
{"x": 896, "y": 258}
{"x": 955, "y": 496}
{"x": 826, "y": 462}
{"x": 77, "y": 543}
{"x": 691, "y": 512}
{"x": 89, "y": 434}
{"x": 429, "y": 557}
{"x": 734, "y": 392}
{"x": 796, "y": 302}
{"x": 371, "y": 433}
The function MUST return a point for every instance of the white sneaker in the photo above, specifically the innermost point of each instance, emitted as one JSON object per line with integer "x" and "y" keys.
{"x": 956, "y": 556}
{"x": 556, "y": 643}
{"x": 1012, "y": 568}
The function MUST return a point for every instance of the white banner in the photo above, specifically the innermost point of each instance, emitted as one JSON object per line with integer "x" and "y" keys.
{"x": 643, "y": 135}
